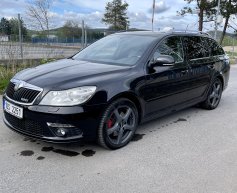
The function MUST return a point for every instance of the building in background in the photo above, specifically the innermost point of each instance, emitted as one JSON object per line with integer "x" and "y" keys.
{"x": 4, "y": 38}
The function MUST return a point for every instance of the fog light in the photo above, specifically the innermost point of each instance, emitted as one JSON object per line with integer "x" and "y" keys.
{"x": 61, "y": 132}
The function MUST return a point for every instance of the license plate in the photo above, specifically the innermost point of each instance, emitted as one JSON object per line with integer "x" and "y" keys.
{"x": 13, "y": 109}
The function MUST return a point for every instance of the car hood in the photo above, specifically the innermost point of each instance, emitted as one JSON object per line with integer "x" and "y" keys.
{"x": 68, "y": 73}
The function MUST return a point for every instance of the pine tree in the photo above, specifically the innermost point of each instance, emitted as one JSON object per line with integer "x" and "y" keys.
{"x": 5, "y": 28}
{"x": 116, "y": 15}
{"x": 204, "y": 8}
{"x": 228, "y": 8}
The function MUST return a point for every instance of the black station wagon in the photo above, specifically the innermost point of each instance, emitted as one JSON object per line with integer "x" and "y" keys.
{"x": 107, "y": 89}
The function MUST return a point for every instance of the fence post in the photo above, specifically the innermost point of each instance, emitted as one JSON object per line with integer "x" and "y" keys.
{"x": 82, "y": 35}
{"x": 233, "y": 49}
{"x": 85, "y": 37}
{"x": 20, "y": 35}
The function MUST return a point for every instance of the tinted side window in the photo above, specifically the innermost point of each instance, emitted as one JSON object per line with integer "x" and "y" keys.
{"x": 215, "y": 48}
{"x": 171, "y": 46}
{"x": 196, "y": 47}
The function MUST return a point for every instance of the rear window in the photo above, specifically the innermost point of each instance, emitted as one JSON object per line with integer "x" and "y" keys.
{"x": 214, "y": 47}
{"x": 196, "y": 47}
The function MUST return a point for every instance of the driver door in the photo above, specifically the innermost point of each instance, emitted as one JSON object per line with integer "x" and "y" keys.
{"x": 167, "y": 86}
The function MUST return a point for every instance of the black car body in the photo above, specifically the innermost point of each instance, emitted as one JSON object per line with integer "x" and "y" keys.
{"x": 155, "y": 90}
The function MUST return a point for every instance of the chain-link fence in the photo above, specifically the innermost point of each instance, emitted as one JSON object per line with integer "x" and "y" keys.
{"x": 32, "y": 51}
{"x": 60, "y": 47}
{"x": 39, "y": 47}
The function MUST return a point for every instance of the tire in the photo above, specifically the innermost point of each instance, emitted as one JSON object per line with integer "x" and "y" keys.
{"x": 214, "y": 95}
{"x": 118, "y": 124}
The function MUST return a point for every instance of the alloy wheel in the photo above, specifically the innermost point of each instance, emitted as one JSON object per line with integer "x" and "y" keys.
{"x": 215, "y": 96}
{"x": 120, "y": 124}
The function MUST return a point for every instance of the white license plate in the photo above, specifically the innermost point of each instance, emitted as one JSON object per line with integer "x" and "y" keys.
{"x": 13, "y": 109}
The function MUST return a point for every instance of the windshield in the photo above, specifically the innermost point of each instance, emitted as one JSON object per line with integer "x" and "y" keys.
{"x": 116, "y": 49}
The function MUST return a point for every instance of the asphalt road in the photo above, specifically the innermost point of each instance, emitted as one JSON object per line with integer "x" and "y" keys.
{"x": 193, "y": 150}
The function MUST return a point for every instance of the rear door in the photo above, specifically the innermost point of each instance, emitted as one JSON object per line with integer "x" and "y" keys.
{"x": 201, "y": 64}
{"x": 220, "y": 61}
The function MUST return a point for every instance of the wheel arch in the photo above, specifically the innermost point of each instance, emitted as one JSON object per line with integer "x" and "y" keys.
{"x": 220, "y": 77}
{"x": 134, "y": 98}
{"x": 217, "y": 76}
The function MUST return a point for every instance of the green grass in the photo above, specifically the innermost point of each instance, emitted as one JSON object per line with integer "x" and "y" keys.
{"x": 229, "y": 41}
{"x": 231, "y": 54}
{"x": 3, "y": 84}
{"x": 5, "y": 76}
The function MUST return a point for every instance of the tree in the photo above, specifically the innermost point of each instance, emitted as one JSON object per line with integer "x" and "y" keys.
{"x": 116, "y": 15}
{"x": 95, "y": 35}
{"x": 5, "y": 27}
{"x": 228, "y": 7}
{"x": 71, "y": 29}
{"x": 38, "y": 12}
{"x": 205, "y": 9}
{"x": 15, "y": 27}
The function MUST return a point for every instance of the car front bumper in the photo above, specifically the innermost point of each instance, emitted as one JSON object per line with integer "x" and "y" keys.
{"x": 43, "y": 122}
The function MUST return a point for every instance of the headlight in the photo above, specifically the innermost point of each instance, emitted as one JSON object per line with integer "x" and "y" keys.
{"x": 69, "y": 97}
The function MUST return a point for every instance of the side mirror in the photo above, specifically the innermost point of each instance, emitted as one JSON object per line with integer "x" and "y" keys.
{"x": 162, "y": 60}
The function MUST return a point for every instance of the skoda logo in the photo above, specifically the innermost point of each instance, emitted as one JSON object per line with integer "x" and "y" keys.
{"x": 19, "y": 85}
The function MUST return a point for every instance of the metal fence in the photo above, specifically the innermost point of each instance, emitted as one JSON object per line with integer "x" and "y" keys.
{"x": 57, "y": 47}
{"x": 39, "y": 47}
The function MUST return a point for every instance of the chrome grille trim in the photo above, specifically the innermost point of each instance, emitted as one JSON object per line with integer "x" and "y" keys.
{"x": 27, "y": 86}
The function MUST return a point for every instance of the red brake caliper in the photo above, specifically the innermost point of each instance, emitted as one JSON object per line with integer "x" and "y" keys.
{"x": 110, "y": 123}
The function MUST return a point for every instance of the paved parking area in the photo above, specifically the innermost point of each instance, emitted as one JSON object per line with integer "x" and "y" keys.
{"x": 190, "y": 151}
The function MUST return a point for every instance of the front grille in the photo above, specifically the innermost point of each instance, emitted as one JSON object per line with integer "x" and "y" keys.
{"x": 23, "y": 95}
{"x": 26, "y": 126}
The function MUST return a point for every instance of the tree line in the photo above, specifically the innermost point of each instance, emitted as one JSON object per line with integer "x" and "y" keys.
{"x": 116, "y": 13}
{"x": 115, "y": 17}
{"x": 11, "y": 26}
{"x": 207, "y": 10}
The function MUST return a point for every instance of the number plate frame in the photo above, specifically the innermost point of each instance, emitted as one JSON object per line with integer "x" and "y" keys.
{"x": 13, "y": 109}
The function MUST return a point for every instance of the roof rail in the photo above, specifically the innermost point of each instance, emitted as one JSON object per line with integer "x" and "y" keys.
{"x": 191, "y": 31}
{"x": 205, "y": 33}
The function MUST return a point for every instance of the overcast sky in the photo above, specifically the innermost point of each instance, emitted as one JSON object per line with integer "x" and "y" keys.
{"x": 139, "y": 12}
